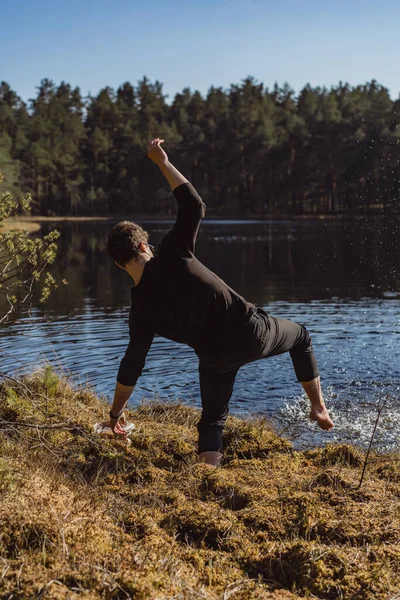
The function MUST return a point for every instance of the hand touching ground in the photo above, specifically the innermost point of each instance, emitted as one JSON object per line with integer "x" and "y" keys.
{"x": 117, "y": 424}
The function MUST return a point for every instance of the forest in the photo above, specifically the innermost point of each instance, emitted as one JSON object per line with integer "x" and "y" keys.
{"x": 248, "y": 150}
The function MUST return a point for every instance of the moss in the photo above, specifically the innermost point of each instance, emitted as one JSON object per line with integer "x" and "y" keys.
{"x": 389, "y": 471}
{"x": 337, "y": 454}
{"x": 252, "y": 439}
{"x": 84, "y": 516}
{"x": 7, "y": 480}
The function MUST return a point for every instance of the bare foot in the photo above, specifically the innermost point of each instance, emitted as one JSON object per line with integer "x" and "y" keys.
{"x": 322, "y": 417}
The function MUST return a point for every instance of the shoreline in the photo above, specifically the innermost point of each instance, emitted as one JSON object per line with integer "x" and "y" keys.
{"x": 167, "y": 218}
{"x": 20, "y": 224}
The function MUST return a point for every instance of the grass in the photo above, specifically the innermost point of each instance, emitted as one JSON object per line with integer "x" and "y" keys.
{"x": 89, "y": 517}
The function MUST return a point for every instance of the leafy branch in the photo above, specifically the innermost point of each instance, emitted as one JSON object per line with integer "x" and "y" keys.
{"x": 23, "y": 260}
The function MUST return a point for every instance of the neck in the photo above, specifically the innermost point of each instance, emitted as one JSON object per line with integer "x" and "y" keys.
{"x": 135, "y": 268}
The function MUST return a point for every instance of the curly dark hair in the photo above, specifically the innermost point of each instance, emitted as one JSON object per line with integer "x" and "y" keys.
{"x": 123, "y": 240}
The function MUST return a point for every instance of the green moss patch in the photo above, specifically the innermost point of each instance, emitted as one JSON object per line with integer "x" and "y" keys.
{"x": 83, "y": 516}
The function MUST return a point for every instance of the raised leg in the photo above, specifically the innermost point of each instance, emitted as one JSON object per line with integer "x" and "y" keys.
{"x": 319, "y": 411}
{"x": 294, "y": 337}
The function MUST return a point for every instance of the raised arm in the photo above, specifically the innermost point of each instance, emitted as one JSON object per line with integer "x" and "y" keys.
{"x": 191, "y": 208}
{"x": 160, "y": 158}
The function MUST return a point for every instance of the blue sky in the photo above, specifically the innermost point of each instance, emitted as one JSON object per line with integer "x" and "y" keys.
{"x": 196, "y": 44}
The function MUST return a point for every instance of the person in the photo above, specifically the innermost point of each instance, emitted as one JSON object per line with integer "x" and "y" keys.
{"x": 179, "y": 298}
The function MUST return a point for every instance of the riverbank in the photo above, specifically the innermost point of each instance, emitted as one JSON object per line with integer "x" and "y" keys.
{"x": 83, "y": 516}
{"x": 209, "y": 217}
{"x": 21, "y": 224}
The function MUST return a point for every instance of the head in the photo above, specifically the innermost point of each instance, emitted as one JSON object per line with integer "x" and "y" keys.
{"x": 126, "y": 241}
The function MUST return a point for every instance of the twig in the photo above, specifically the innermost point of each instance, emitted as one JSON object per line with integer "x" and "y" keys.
{"x": 233, "y": 587}
{"x": 19, "y": 575}
{"x": 55, "y": 426}
{"x": 18, "y": 382}
{"x": 112, "y": 576}
{"x": 380, "y": 409}
{"x": 5, "y": 571}
{"x": 45, "y": 587}
{"x": 66, "y": 425}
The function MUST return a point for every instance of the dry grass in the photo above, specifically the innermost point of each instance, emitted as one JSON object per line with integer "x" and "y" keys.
{"x": 94, "y": 518}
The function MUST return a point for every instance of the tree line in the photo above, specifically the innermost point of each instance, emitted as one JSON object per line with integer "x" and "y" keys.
{"x": 248, "y": 150}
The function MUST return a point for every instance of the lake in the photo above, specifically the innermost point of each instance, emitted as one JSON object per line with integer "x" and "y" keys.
{"x": 340, "y": 279}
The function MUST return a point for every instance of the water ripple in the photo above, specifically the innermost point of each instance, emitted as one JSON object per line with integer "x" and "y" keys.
{"x": 356, "y": 344}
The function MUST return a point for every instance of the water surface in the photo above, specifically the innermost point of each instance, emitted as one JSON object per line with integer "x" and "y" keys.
{"x": 342, "y": 280}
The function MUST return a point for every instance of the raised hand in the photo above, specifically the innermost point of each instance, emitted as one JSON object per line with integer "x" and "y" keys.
{"x": 156, "y": 153}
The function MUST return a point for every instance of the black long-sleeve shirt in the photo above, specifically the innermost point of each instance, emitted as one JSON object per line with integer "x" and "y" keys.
{"x": 180, "y": 299}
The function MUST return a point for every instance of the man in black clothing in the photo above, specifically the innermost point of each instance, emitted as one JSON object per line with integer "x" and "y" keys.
{"x": 177, "y": 297}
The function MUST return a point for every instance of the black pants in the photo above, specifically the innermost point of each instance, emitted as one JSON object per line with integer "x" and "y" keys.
{"x": 263, "y": 336}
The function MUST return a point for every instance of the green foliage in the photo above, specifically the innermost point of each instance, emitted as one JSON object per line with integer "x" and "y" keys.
{"x": 23, "y": 259}
{"x": 12, "y": 400}
{"x": 50, "y": 381}
{"x": 248, "y": 149}
{"x": 6, "y": 475}
{"x": 9, "y": 166}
